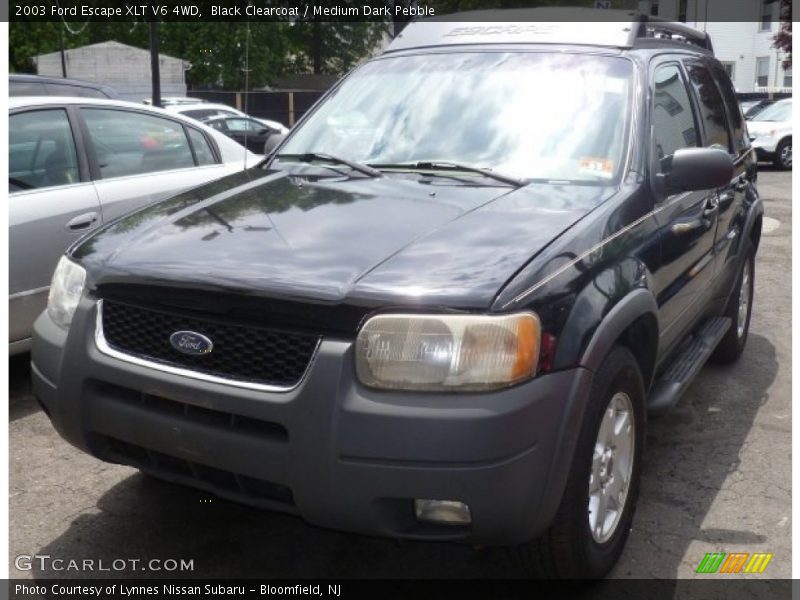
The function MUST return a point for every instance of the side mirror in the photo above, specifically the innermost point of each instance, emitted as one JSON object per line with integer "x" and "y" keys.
{"x": 691, "y": 169}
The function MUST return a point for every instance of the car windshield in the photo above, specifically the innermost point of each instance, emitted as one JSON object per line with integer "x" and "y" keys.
{"x": 552, "y": 116}
{"x": 780, "y": 111}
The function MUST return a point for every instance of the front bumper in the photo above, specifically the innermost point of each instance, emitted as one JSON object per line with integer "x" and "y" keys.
{"x": 338, "y": 454}
{"x": 764, "y": 146}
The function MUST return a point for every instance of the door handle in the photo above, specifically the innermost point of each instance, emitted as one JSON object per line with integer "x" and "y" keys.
{"x": 84, "y": 221}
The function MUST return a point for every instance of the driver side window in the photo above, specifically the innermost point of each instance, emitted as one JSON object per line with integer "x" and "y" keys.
{"x": 674, "y": 125}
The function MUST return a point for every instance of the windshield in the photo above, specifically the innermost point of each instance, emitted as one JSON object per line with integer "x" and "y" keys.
{"x": 531, "y": 115}
{"x": 780, "y": 111}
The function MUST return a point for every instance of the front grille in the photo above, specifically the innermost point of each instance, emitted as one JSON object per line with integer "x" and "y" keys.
{"x": 241, "y": 353}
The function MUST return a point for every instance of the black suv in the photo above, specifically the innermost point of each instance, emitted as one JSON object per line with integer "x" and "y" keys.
{"x": 443, "y": 307}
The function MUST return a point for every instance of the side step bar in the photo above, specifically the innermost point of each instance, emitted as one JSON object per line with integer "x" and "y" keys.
{"x": 679, "y": 374}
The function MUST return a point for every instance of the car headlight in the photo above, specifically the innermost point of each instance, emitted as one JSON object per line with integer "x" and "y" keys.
{"x": 447, "y": 352}
{"x": 65, "y": 291}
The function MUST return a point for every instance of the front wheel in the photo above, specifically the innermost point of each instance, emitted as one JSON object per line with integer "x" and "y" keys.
{"x": 592, "y": 523}
{"x": 783, "y": 154}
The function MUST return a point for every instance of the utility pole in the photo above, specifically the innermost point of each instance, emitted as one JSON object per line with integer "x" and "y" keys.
{"x": 61, "y": 47}
{"x": 155, "y": 73}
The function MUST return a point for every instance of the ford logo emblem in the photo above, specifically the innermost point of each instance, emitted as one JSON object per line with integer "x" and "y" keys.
{"x": 191, "y": 342}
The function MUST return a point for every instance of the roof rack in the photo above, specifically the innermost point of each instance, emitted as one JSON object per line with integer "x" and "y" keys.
{"x": 654, "y": 29}
{"x": 613, "y": 28}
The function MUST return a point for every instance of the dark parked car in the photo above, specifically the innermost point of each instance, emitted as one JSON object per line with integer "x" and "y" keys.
{"x": 250, "y": 133}
{"x": 443, "y": 308}
{"x": 20, "y": 84}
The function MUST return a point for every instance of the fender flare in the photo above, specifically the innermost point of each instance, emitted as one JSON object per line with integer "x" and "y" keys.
{"x": 756, "y": 211}
{"x": 636, "y": 304}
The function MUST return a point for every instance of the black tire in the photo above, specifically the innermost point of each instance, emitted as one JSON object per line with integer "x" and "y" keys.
{"x": 568, "y": 549}
{"x": 732, "y": 345}
{"x": 783, "y": 155}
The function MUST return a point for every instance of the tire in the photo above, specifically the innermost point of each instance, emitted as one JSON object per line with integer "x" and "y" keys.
{"x": 732, "y": 345}
{"x": 783, "y": 155}
{"x": 569, "y": 549}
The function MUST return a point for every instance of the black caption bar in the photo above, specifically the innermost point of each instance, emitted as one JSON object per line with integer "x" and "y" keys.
{"x": 129, "y": 589}
{"x": 373, "y": 10}
{"x": 221, "y": 10}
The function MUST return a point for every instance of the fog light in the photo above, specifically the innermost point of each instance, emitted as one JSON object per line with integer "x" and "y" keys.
{"x": 447, "y": 512}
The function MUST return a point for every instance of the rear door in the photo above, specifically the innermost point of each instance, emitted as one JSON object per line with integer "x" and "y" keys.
{"x": 52, "y": 203}
{"x": 137, "y": 158}
{"x": 724, "y": 127}
{"x": 687, "y": 220}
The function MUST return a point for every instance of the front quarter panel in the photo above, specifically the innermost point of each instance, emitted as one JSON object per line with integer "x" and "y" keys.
{"x": 583, "y": 275}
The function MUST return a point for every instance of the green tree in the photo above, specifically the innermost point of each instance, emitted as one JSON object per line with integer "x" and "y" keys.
{"x": 783, "y": 39}
{"x": 220, "y": 53}
{"x": 332, "y": 48}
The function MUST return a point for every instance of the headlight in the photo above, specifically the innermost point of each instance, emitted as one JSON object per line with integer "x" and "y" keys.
{"x": 447, "y": 352}
{"x": 65, "y": 291}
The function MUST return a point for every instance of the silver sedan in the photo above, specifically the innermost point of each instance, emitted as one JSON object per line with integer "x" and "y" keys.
{"x": 76, "y": 163}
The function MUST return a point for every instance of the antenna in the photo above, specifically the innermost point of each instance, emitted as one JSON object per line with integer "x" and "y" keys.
{"x": 246, "y": 79}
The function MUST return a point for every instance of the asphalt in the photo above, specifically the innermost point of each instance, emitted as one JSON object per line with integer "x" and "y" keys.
{"x": 717, "y": 476}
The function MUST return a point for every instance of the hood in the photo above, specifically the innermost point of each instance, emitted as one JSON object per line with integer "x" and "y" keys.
{"x": 759, "y": 128}
{"x": 397, "y": 239}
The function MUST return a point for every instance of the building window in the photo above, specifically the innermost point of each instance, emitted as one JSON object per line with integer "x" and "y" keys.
{"x": 766, "y": 16}
{"x": 682, "y": 10}
{"x": 654, "y": 9}
{"x": 787, "y": 78}
{"x": 762, "y": 72}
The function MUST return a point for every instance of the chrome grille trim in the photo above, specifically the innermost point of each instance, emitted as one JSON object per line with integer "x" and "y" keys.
{"x": 105, "y": 348}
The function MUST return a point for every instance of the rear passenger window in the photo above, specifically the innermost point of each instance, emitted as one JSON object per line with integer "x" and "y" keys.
{"x": 130, "y": 143}
{"x": 201, "y": 148}
{"x": 740, "y": 139}
{"x": 712, "y": 108}
{"x": 673, "y": 120}
{"x": 41, "y": 150}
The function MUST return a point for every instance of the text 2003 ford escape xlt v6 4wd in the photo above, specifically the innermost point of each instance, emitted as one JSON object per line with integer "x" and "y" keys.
{"x": 443, "y": 308}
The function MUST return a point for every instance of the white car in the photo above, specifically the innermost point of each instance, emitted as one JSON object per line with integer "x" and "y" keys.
{"x": 771, "y": 133}
{"x": 168, "y": 100}
{"x": 76, "y": 163}
{"x": 208, "y": 110}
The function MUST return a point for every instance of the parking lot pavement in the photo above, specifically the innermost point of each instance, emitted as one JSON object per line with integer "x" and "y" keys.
{"x": 716, "y": 478}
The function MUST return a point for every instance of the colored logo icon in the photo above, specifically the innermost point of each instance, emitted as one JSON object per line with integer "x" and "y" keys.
{"x": 734, "y": 562}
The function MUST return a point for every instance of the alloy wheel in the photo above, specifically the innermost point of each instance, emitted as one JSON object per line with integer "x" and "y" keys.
{"x": 612, "y": 467}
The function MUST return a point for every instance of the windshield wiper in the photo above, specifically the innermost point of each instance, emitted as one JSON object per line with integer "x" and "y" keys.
{"x": 445, "y": 165}
{"x": 312, "y": 156}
